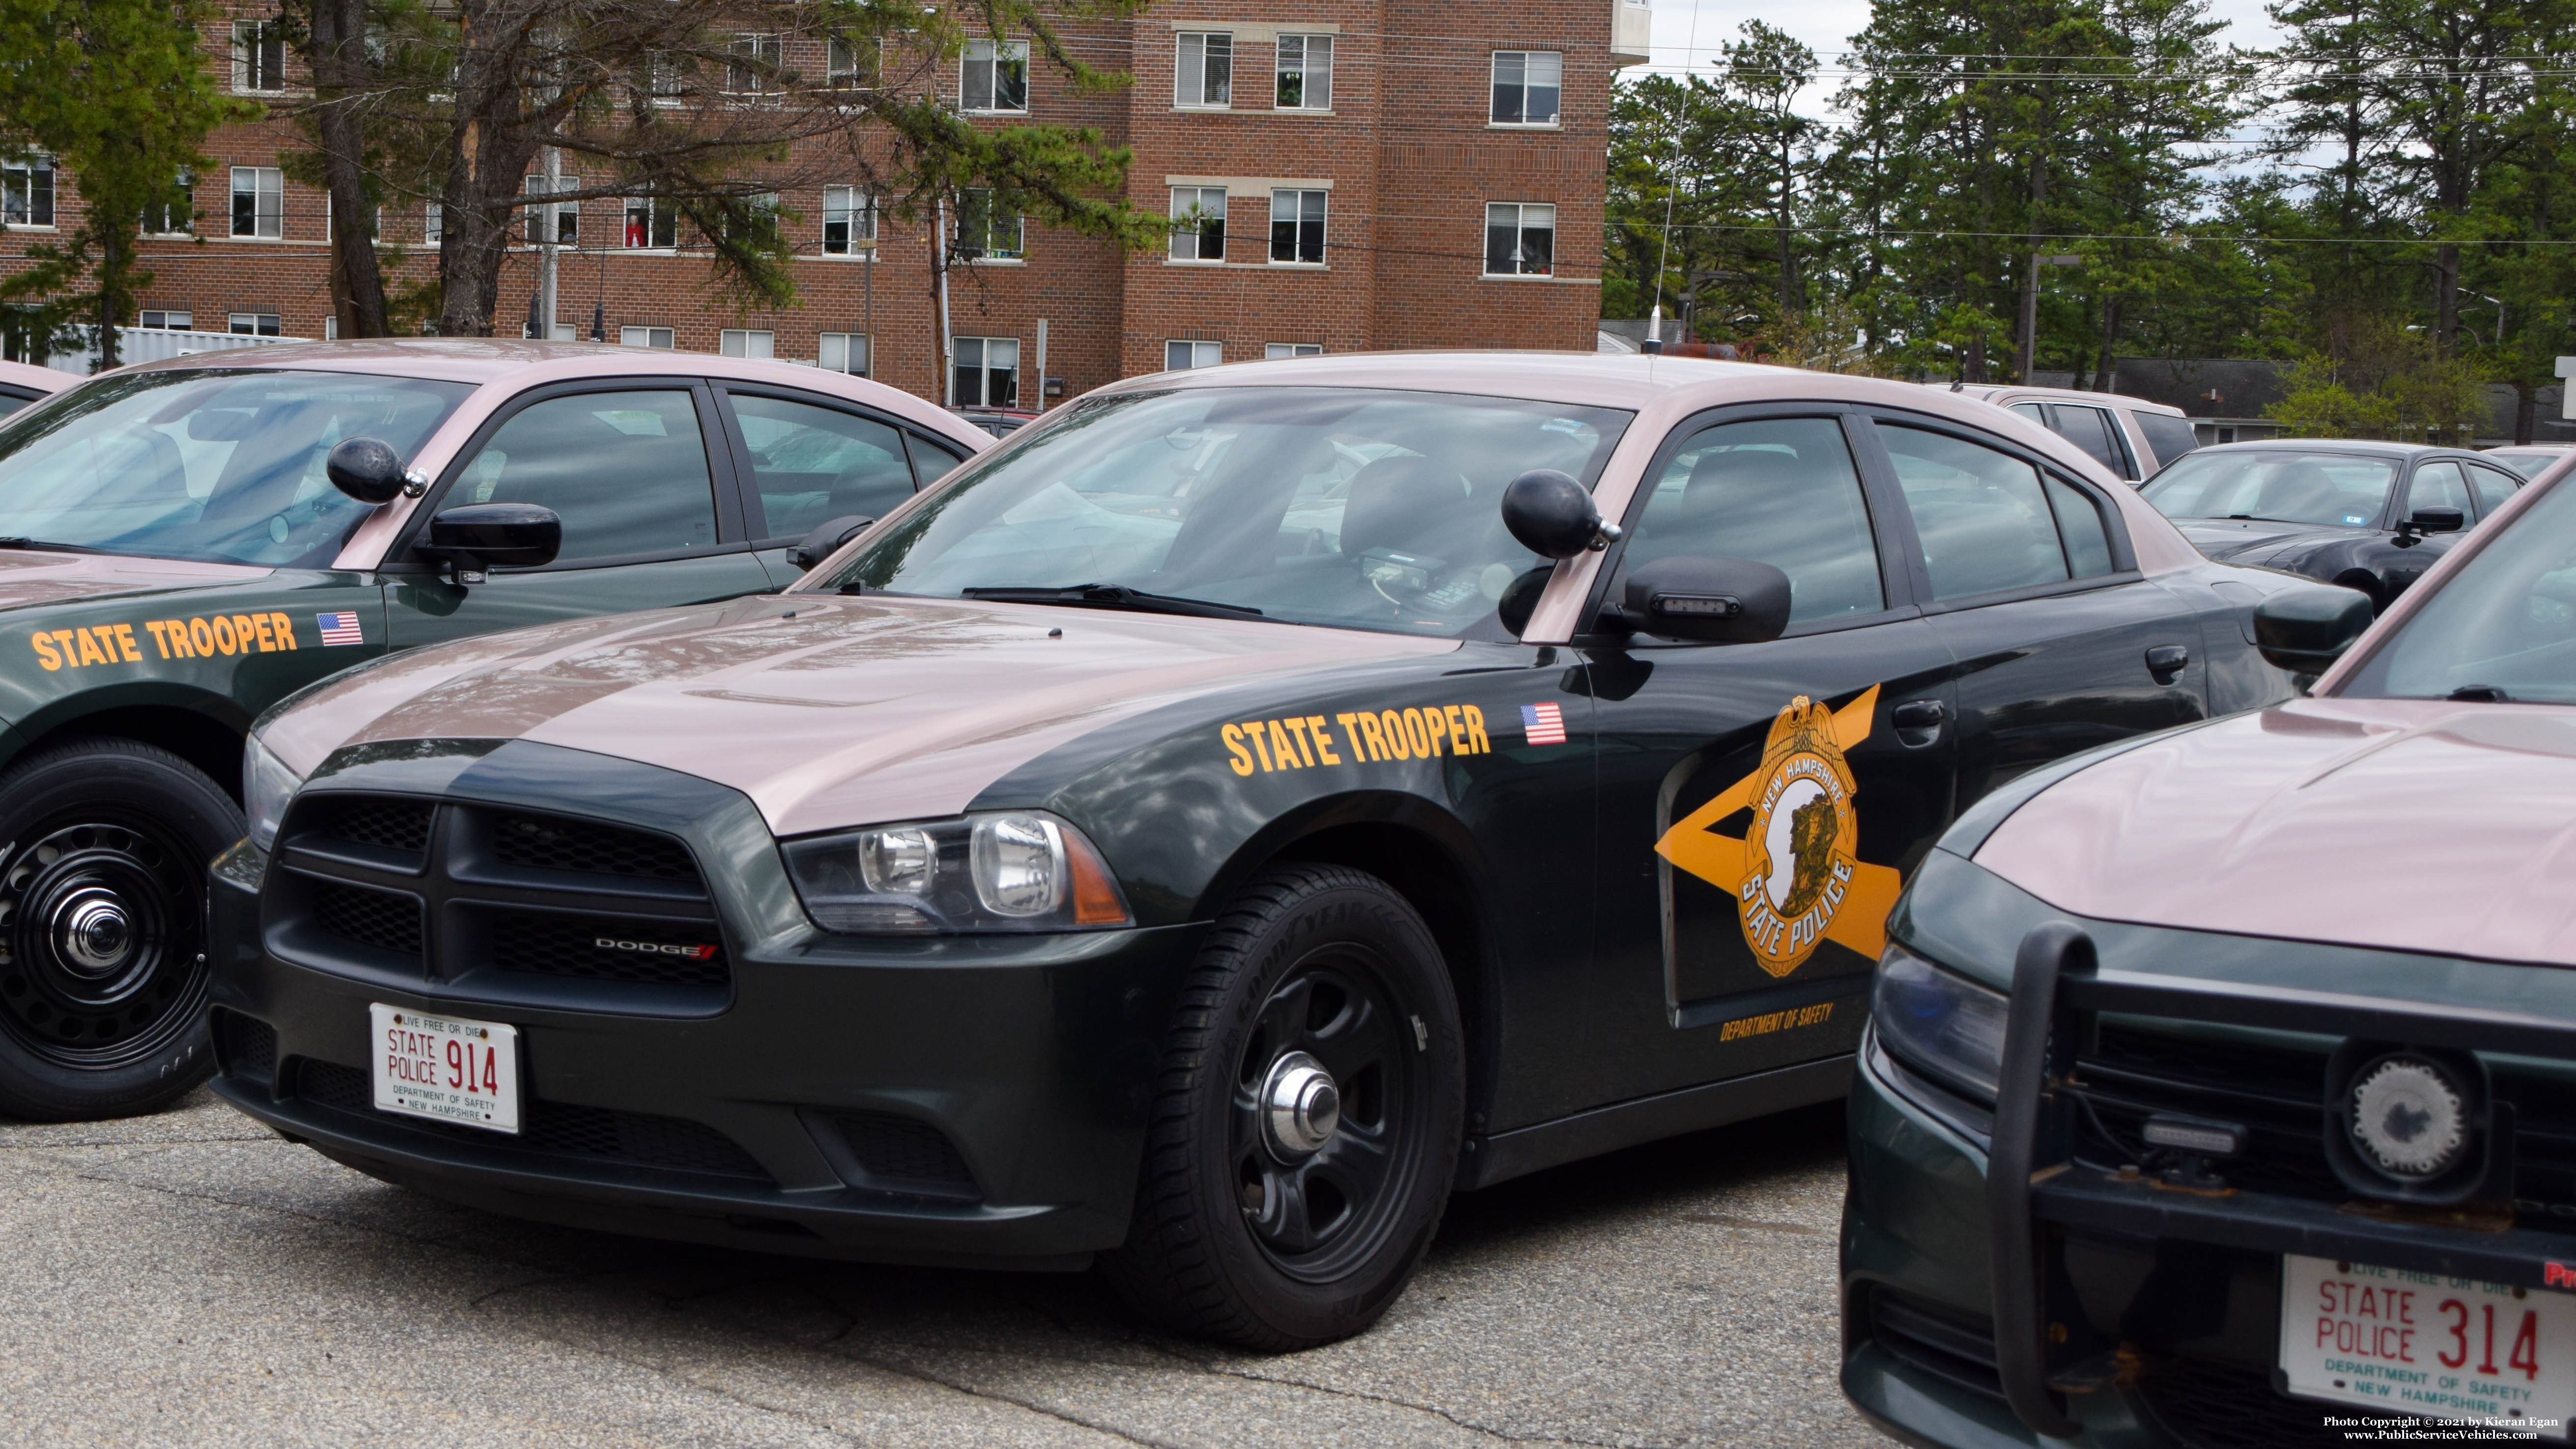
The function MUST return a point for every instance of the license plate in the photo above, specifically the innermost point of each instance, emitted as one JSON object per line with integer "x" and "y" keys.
{"x": 446, "y": 1068}
{"x": 2420, "y": 1343}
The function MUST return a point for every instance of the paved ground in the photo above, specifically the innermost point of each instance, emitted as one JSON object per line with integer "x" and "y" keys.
{"x": 188, "y": 1279}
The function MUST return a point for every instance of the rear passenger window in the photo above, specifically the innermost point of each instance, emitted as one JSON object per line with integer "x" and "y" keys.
{"x": 1782, "y": 492}
{"x": 2092, "y": 430}
{"x": 2079, "y": 522}
{"x": 931, "y": 461}
{"x": 2492, "y": 488}
{"x": 812, "y": 464}
{"x": 1984, "y": 523}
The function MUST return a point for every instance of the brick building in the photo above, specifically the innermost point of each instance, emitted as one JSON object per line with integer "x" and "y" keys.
{"x": 1353, "y": 174}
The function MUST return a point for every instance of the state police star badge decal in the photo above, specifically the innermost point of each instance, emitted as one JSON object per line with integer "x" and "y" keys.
{"x": 1795, "y": 876}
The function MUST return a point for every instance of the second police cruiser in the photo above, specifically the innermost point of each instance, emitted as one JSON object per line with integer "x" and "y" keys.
{"x": 1203, "y": 833}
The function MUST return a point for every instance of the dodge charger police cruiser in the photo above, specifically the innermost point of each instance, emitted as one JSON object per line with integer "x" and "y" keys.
{"x": 1202, "y": 833}
{"x": 175, "y": 557}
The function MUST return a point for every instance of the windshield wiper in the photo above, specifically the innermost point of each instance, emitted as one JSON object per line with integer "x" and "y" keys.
{"x": 1113, "y": 596}
{"x": 2481, "y": 694}
{"x": 39, "y": 545}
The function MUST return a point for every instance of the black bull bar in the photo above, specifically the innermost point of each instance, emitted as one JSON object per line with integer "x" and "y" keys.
{"x": 2042, "y": 1342}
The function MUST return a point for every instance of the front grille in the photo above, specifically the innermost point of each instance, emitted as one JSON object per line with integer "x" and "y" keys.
{"x": 2204, "y": 1405}
{"x": 555, "y": 842}
{"x": 1941, "y": 1342}
{"x": 598, "y": 1134}
{"x": 380, "y": 920}
{"x": 898, "y": 1154}
{"x": 384, "y": 822}
{"x": 249, "y": 1047}
{"x": 598, "y": 948}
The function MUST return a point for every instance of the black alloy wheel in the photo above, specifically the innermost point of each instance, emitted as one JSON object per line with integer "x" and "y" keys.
{"x": 1307, "y": 1117}
{"x": 103, "y": 960}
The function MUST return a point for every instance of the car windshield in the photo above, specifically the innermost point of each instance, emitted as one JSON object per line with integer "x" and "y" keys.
{"x": 1342, "y": 506}
{"x": 2503, "y": 627}
{"x": 2278, "y": 485}
{"x": 220, "y": 465}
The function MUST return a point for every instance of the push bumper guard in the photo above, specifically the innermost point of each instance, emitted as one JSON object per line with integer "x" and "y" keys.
{"x": 2035, "y": 1190}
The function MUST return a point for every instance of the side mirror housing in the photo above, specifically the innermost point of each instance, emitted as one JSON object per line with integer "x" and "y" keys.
{"x": 819, "y": 544}
{"x": 368, "y": 470}
{"x": 2439, "y": 520}
{"x": 486, "y": 535}
{"x": 2304, "y": 630}
{"x": 1552, "y": 516}
{"x": 1708, "y": 600}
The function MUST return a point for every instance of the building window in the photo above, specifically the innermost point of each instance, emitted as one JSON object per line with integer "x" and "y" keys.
{"x": 996, "y": 77}
{"x": 661, "y": 337}
{"x": 27, "y": 193}
{"x": 751, "y": 63}
{"x": 988, "y": 372}
{"x": 1205, "y": 75}
{"x": 1182, "y": 356}
{"x": 259, "y": 201}
{"x": 664, "y": 77}
{"x": 1305, "y": 72}
{"x": 738, "y": 342}
{"x": 849, "y": 222}
{"x": 986, "y": 233}
{"x": 650, "y": 225}
{"x": 259, "y": 56}
{"x": 166, "y": 321}
{"x": 1527, "y": 85}
{"x": 567, "y": 213}
{"x": 433, "y": 224}
{"x": 1198, "y": 223}
{"x": 252, "y": 324}
{"x": 1297, "y": 226}
{"x": 175, "y": 214}
{"x": 1520, "y": 239}
{"x": 850, "y": 352}
{"x": 849, "y": 64}
{"x": 1273, "y": 351}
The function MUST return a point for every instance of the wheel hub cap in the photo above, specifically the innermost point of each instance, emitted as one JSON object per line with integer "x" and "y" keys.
{"x": 93, "y": 932}
{"x": 1300, "y": 1107}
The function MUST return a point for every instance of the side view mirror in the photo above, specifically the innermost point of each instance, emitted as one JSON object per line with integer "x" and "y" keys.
{"x": 819, "y": 544}
{"x": 1553, "y": 517}
{"x": 1708, "y": 600}
{"x": 369, "y": 470}
{"x": 2435, "y": 519}
{"x": 477, "y": 536}
{"x": 2303, "y": 630}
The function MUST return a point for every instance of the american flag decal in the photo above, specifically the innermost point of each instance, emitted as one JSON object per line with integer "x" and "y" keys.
{"x": 340, "y": 628}
{"x": 1543, "y": 724}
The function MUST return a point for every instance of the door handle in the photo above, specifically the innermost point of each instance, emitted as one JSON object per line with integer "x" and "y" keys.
{"x": 1920, "y": 715}
{"x": 2165, "y": 662}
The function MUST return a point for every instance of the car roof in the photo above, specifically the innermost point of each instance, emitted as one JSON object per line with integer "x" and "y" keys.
{"x": 2358, "y": 447}
{"x": 28, "y": 375}
{"x": 1996, "y": 392}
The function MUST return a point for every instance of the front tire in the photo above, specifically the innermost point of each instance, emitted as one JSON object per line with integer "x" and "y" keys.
{"x": 1306, "y": 1121}
{"x": 103, "y": 851}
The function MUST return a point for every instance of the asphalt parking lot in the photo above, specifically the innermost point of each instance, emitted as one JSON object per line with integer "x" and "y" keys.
{"x": 189, "y": 1279}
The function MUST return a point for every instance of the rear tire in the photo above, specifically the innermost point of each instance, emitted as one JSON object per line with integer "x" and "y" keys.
{"x": 104, "y": 845}
{"x": 1306, "y": 1120}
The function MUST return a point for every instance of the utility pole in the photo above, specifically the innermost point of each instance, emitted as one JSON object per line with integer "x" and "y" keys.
{"x": 550, "y": 245}
{"x": 939, "y": 267}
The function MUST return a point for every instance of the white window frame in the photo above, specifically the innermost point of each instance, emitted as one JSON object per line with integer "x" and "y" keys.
{"x": 1313, "y": 69}
{"x": 661, "y": 337}
{"x": 1275, "y": 351}
{"x": 983, "y": 350}
{"x": 433, "y": 223}
{"x": 1185, "y": 354}
{"x": 267, "y": 191}
{"x": 656, "y": 216}
{"x": 250, "y": 77}
{"x": 1520, "y": 213}
{"x": 748, "y": 342}
{"x": 854, "y": 210}
{"x": 1527, "y": 62}
{"x": 842, "y": 67}
{"x": 760, "y": 48}
{"x": 1323, "y": 224}
{"x": 980, "y": 74}
{"x": 183, "y": 199}
{"x": 25, "y": 203}
{"x": 1189, "y": 242}
{"x": 254, "y": 324}
{"x": 567, "y": 214}
{"x": 834, "y": 351}
{"x": 173, "y": 319}
{"x": 1203, "y": 70}
{"x": 986, "y": 253}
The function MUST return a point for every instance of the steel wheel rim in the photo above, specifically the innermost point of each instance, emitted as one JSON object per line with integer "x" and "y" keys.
{"x": 101, "y": 958}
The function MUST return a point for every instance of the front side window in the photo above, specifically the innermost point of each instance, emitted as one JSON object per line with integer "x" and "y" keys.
{"x": 1204, "y": 74}
{"x": 1178, "y": 356}
{"x": 1520, "y": 239}
{"x": 849, "y": 222}
{"x": 987, "y": 373}
{"x": 751, "y": 64}
{"x": 1779, "y": 491}
{"x": 662, "y": 337}
{"x": 2502, "y": 628}
{"x": 996, "y": 76}
{"x": 986, "y": 232}
{"x": 2439, "y": 485}
{"x": 850, "y": 352}
{"x": 1363, "y": 508}
{"x": 259, "y": 56}
{"x": 1198, "y": 223}
{"x": 811, "y": 465}
{"x": 211, "y": 464}
{"x": 1527, "y": 85}
{"x": 2280, "y": 485}
{"x": 27, "y": 193}
{"x": 1984, "y": 520}
{"x": 1297, "y": 226}
{"x": 1305, "y": 73}
{"x": 259, "y": 201}
{"x": 651, "y": 225}
{"x": 252, "y": 324}
{"x": 626, "y": 471}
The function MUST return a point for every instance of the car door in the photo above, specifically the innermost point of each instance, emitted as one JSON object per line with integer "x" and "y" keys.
{"x": 2028, "y": 580}
{"x": 650, "y": 517}
{"x": 807, "y": 460}
{"x": 1759, "y": 804}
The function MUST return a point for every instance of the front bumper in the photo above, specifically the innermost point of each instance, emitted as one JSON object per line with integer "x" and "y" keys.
{"x": 958, "y": 1101}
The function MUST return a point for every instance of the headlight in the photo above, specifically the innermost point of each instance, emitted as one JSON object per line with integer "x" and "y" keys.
{"x": 1939, "y": 1023}
{"x": 267, "y": 784}
{"x": 1019, "y": 870}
